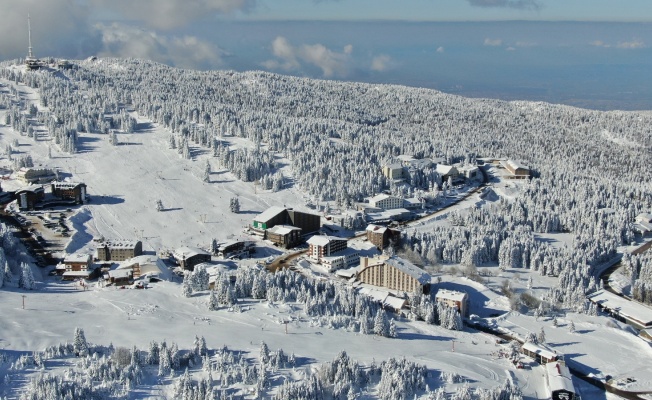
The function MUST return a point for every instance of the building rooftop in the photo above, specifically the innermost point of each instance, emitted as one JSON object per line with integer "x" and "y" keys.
{"x": 513, "y": 164}
{"x": 283, "y": 229}
{"x": 559, "y": 377}
{"x": 187, "y": 252}
{"x": 67, "y": 185}
{"x": 450, "y": 295}
{"x": 409, "y": 268}
{"x": 76, "y": 258}
{"x": 632, "y": 310}
{"x": 376, "y": 228}
{"x": 119, "y": 244}
{"x": 378, "y": 197}
{"x": 269, "y": 214}
{"x": 321, "y": 240}
{"x": 540, "y": 350}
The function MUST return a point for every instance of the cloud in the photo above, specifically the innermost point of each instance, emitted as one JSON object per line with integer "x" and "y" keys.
{"x": 293, "y": 58}
{"x": 634, "y": 44}
{"x": 170, "y": 14}
{"x": 510, "y": 48}
{"x": 181, "y": 51}
{"x": 440, "y": 49}
{"x": 518, "y": 4}
{"x": 493, "y": 42}
{"x": 60, "y": 28}
{"x": 381, "y": 63}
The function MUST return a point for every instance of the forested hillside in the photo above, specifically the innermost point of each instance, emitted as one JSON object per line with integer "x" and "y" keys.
{"x": 591, "y": 167}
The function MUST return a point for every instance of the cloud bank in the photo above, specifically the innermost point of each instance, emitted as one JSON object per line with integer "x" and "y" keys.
{"x": 294, "y": 58}
{"x": 518, "y": 4}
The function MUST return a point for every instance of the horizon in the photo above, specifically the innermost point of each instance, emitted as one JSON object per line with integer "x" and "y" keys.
{"x": 504, "y": 49}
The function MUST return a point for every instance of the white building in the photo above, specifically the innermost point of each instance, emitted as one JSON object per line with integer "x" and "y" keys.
{"x": 453, "y": 298}
{"x": 385, "y": 202}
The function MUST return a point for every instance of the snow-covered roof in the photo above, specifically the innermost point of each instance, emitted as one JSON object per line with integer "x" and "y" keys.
{"x": 376, "y": 228}
{"x": 394, "y": 166}
{"x": 66, "y": 185}
{"x": 77, "y": 274}
{"x": 77, "y": 258}
{"x": 632, "y": 310}
{"x": 445, "y": 169}
{"x": 269, "y": 213}
{"x": 283, "y": 229}
{"x": 187, "y": 252}
{"x": 321, "y": 240}
{"x": 644, "y": 217}
{"x": 119, "y": 244}
{"x": 378, "y": 197}
{"x": 394, "y": 302}
{"x": 559, "y": 377}
{"x": 453, "y": 295}
{"x": 409, "y": 268}
{"x": 540, "y": 350}
{"x": 644, "y": 226}
{"x": 120, "y": 273}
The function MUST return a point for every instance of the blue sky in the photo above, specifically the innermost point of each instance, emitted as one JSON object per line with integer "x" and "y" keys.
{"x": 593, "y": 53}
{"x": 454, "y": 10}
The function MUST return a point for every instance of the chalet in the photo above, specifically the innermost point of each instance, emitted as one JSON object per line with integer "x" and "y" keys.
{"x": 381, "y": 236}
{"x": 385, "y": 202}
{"x": 36, "y": 175}
{"x": 118, "y": 250}
{"x": 393, "y": 273}
{"x": 78, "y": 266}
{"x": 144, "y": 265}
{"x": 285, "y": 236}
{"x": 516, "y": 170}
{"x": 121, "y": 276}
{"x": 539, "y": 353}
{"x": 188, "y": 257}
{"x": 455, "y": 299}
{"x": 447, "y": 171}
{"x": 69, "y": 191}
{"x": 29, "y": 197}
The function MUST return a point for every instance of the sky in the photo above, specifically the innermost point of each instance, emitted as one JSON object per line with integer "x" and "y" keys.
{"x": 591, "y": 53}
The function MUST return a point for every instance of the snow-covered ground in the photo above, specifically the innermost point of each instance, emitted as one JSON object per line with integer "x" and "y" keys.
{"x": 125, "y": 181}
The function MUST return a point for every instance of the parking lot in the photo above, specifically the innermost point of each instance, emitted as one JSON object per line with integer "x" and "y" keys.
{"x": 43, "y": 233}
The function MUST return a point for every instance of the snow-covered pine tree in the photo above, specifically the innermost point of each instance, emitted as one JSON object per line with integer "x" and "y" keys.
{"x": 26, "y": 280}
{"x": 392, "y": 328}
{"x": 541, "y": 338}
{"x": 571, "y": 327}
{"x": 159, "y": 205}
{"x": 213, "y": 304}
{"x": 235, "y": 205}
{"x": 381, "y": 323}
{"x": 80, "y": 345}
{"x": 153, "y": 353}
{"x": 186, "y": 286}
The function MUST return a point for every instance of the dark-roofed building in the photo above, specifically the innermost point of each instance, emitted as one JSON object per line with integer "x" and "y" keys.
{"x": 69, "y": 191}
{"x": 393, "y": 273}
{"x": 188, "y": 257}
{"x": 307, "y": 222}
{"x": 285, "y": 236}
{"x": 382, "y": 236}
{"x": 29, "y": 197}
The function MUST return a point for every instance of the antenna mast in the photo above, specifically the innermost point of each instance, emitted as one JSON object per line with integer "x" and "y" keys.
{"x": 29, "y": 35}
